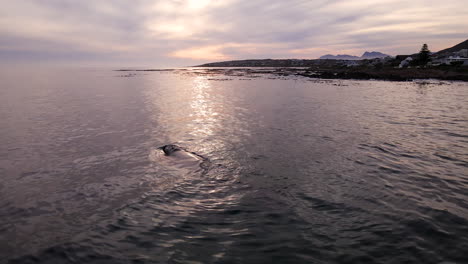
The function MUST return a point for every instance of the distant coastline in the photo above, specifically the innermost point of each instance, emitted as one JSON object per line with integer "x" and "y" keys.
{"x": 447, "y": 64}
{"x": 337, "y": 69}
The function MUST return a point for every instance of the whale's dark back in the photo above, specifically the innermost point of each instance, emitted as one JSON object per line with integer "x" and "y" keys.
{"x": 169, "y": 149}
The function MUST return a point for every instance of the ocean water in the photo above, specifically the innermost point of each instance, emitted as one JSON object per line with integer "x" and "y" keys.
{"x": 293, "y": 170}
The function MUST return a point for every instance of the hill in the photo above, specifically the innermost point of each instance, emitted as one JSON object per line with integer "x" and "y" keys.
{"x": 366, "y": 55}
{"x": 459, "y": 46}
{"x": 339, "y": 57}
{"x": 373, "y": 55}
{"x": 262, "y": 63}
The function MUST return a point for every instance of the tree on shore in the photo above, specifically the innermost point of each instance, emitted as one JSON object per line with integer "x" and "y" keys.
{"x": 423, "y": 56}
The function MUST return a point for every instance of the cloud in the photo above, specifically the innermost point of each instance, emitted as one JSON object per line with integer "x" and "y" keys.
{"x": 170, "y": 32}
{"x": 201, "y": 53}
{"x": 226, "y": 51}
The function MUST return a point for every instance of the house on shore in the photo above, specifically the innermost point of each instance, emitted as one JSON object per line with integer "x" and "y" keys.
{"x": 405, "y": 63}
{"x": 451, "y": 57}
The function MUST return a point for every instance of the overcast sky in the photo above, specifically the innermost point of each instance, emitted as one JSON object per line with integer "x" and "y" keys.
{"x": 168, "y": 33}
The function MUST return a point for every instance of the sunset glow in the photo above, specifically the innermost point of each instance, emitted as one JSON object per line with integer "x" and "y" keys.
{"x": 186, "y": 32}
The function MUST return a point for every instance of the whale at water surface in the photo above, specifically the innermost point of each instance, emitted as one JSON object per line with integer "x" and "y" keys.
{"x": 170, "y": 149}
{"x": 180, "y": 157}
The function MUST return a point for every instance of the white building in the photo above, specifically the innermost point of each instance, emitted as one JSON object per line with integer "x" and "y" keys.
{"x": 451, "y": 59}
{"x": 405, "y": 63}
{"x": 463, "y": 53}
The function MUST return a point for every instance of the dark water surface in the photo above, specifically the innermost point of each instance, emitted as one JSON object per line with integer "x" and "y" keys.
{"x": 297, "y": 170}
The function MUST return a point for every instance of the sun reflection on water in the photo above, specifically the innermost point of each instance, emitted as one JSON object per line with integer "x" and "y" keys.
{"x": 205, "y": 116}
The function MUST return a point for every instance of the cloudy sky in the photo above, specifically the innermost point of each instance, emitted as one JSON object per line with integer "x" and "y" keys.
{"x": 167, "y": 33}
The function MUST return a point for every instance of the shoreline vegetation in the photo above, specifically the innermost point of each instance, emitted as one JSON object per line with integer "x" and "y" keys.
{"x": 392, "y": 74}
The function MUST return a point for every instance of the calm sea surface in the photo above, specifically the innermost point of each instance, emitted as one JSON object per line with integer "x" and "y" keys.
{"x": 297, "y": 170}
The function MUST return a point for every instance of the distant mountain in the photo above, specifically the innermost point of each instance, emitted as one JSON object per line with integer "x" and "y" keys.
{"x": 339, "y": 57}
{"x": 326, "y": 60}
{"x": 274, "y": 63}
{"x": 460, "y": 46}
{"x": 262, "y": 63}
{"x": 366, "y": 55}
{"x": 373, "y": 55}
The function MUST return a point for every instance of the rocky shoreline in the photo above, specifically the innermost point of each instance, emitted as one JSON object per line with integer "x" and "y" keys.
{"x": 393, "y": 74}
{"x": 388, "y": 74}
